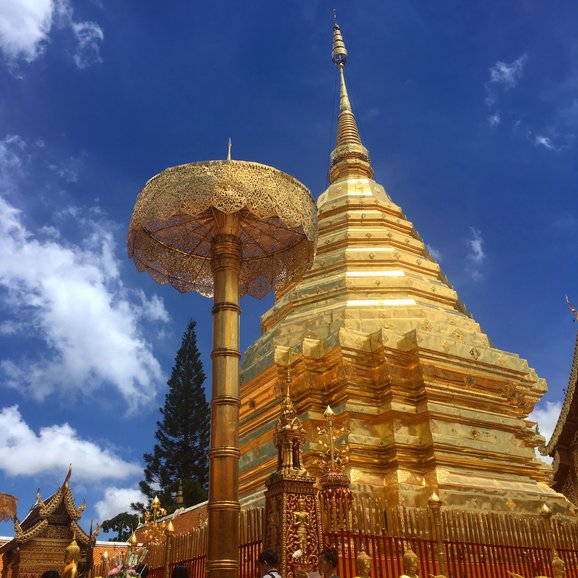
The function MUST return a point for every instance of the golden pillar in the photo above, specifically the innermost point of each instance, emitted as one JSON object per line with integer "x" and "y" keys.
{"x": 224, "y": 229}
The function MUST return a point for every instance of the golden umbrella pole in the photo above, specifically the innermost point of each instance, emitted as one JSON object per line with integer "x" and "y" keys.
{"x": 223, "y": 507}
{"x": 224, "y": 229}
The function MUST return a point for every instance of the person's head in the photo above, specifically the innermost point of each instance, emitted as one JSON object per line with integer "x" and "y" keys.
{"x": 327, "y": 561}
{"x": 180, "y": 571}
{"x": 559, "y": 566}
{"x": 363, "y": 563}
{"x": 410, "y": 562}
{"x": 50, "y": 574}
{"x": 267, "y": 559}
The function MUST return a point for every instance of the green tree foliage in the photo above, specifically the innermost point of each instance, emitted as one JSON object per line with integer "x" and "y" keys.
{"x": 181, "y": 451}
{"x": 123, "y": 524}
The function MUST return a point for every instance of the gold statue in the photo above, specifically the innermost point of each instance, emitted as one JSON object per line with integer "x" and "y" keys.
{"x": 558, "y": 566}
{"x": 363, "y": 563}
{"x": 71, "y": 558}
{"x": 410, "y": 561}
{"x": 301, "y": 523}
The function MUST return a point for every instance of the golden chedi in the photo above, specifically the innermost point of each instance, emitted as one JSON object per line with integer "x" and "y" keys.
{"x": 375, "y": 330}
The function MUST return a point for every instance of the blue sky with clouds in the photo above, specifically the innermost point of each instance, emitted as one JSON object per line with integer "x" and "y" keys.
{"x": 470, "y": 114}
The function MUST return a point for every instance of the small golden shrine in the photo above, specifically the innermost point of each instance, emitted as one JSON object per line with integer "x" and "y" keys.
{"x": 291, "y": 502}
{"x": 44, "y": 535}
{"x": 376, "y": 331}
{"x": 563, "y": 445}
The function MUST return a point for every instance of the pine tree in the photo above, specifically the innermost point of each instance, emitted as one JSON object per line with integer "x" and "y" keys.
{"x": 123, "y": 524}
{"x": 181, "y": 454}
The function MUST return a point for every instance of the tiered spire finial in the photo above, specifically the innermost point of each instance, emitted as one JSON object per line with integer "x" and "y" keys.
{"x": 349, "y": 157}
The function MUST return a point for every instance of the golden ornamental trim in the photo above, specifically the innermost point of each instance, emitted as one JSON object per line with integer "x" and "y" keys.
{"x": 53, "y": 503}
{"x": 34, "y": 531}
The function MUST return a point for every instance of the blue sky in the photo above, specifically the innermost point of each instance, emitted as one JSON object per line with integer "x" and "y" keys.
{"x": 470, "y": 114}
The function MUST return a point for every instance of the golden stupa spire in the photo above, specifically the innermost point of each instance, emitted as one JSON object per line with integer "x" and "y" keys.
{"x": 349, "y": 157}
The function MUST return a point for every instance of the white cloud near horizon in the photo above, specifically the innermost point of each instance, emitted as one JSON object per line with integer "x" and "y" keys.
{"x": 546, "y": 414}
{"x": 117, "y": 500}
{"x": 52, "y": 449}
{"x": 25, "y": 27}
{"x": 73, "y": 299}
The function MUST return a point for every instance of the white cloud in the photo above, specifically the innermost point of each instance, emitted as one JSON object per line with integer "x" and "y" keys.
{"x": 25, "y": 27}
{"x": 72, "y": 297}
{"x": 476, "y": 245}
{"x": 545, "y": 142}
{"x": 546, "y": 414}
{"x": 11, "y": 147}
{"x": 89, "y": 36}
{"x": 508, "y": 75}
{"x": 52, "y": 449}
{"x": 476, "y": 255}
{"x": 495, "y": 119}
{"x": 435, "y": 253}
{"x": 504, "y": 76}
{"x": 117, "y": 500}
{"x": 69, "y": 170}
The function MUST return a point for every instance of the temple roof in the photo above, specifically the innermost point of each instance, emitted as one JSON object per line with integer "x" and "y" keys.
{"x": 38, "y": 517}
{"x": 567, "y": 424}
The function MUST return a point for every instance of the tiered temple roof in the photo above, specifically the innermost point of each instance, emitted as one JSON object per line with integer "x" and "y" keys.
{"x": 40, "y": 539}
{"x": 563, "y": 445}
{"x": 375, "y": 330}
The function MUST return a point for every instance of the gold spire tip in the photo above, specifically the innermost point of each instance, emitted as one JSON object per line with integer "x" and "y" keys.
{"x": 573, "y": 309}
{"x": 339, "y": 52}
{"x": 229, "y": 147}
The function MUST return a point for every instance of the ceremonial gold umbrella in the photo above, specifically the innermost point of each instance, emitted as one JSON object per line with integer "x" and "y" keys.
{"x": 8, "y": 505}
{"x": 226, "y": 229}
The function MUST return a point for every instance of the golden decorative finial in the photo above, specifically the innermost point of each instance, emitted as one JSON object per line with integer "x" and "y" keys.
{"x": 349, "y": 157}
{"x": 434, "y": 499}
{"x": 571, "y": 308}
{"x": 230, "y": 146}
{"x": 545, "y": 511}
{"x": 331, "y": 458}
{"x": 67, "y": 479}
{"x": 339, "y": 52}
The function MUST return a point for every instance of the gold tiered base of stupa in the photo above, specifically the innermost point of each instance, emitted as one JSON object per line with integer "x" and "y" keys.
{"x": 376, "y": 331}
